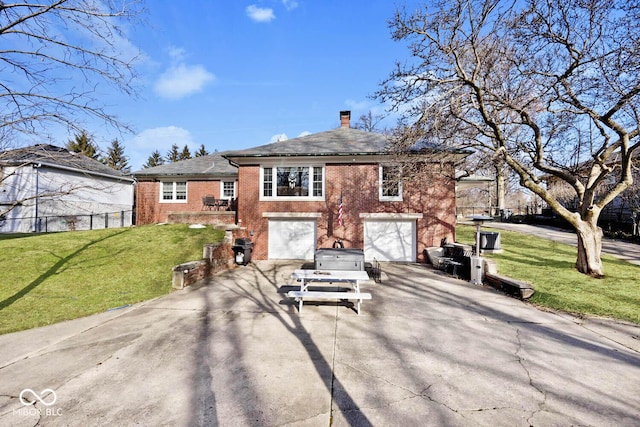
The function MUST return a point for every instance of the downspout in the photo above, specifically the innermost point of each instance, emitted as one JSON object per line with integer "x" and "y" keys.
{"x": 36, "y": 166}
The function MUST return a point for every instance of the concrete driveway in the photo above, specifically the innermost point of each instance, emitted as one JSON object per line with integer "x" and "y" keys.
{"x": 233, "y": 351}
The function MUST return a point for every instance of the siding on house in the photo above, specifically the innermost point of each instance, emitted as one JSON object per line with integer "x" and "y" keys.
{"x": 49, "y": 188}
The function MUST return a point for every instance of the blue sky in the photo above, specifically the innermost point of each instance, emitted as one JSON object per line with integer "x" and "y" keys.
{"x": 235, "y": 74}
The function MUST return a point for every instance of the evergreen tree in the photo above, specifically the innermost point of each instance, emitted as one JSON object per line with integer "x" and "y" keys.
{"x": 115, "y": 157}
{"x": 173, "y": 155}
{"x": 202, "y": 151}
{"x": 155, "y": 159}
{"x": 186, "y": 153}
{"x": 82, "y": 144}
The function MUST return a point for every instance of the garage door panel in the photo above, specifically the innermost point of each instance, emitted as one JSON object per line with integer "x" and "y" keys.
{"x": 390, "y": 240}
{"x": 292, "y": 239}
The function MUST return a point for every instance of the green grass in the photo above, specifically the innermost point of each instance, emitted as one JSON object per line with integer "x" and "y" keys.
{"x": 48, "y": 278}
{"x": 550, "y": 267}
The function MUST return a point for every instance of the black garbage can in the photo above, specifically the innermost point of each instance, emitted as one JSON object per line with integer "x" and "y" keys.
{"x": 489, "y": 240}
{"x": 242, "y": 251}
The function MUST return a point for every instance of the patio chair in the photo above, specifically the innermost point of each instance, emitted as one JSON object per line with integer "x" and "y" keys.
{"x": 222, "y": 203}
{"x": 208, "y": 202}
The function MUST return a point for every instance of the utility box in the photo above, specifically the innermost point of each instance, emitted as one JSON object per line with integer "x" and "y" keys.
{"x": 339, "y": 259}
{"x": 242, "y": 250}
{"x": 476, "y": 270}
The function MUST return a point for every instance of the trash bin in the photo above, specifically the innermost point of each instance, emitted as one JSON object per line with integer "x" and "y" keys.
{"x": 242, "y": 250}
{"x": 489, "y": 240}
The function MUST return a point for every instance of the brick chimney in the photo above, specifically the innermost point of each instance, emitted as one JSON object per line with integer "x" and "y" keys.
{"x": 345, "y": 118}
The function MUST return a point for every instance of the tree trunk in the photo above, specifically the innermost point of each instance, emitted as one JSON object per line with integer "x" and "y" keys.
{"x": 589, "y": 248}
{"x": 500, "y": 187}
{"x": 500, "y": 192}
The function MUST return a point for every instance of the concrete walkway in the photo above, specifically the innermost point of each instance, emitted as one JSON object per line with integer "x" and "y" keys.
{"x": 427, "y": 350}
{"x": 629, "y": 252}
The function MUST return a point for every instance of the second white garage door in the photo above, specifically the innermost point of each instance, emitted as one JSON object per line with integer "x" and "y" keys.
{"x": 292, "y": 239}
{"x": 390, "y": 240}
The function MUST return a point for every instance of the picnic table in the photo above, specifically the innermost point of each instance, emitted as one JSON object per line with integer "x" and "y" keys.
{"x": 353, "y": 278}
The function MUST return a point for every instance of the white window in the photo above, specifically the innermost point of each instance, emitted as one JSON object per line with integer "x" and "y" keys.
{"x": 228, "y": 190}
{"x": 390, "y": 177}
{"x": 173, "y": 191}
{"x": 292, "y": 182}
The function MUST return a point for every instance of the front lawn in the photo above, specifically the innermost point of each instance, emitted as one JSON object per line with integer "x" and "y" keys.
{"x": 549, "y": 266}
{"x": 47, "y": 278}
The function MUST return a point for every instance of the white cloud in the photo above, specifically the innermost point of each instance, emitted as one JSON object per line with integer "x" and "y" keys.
{"x": 162, "y": 138}
{"x": 177, "y": 53}
{"x": 290, "y": 4}
{"x": 357, "y": 105}
{"x": 181, "y": 80}
{"x": 278, "y": 137}
{"x": 304, "y": 133}
{"x": 260, "y": 14}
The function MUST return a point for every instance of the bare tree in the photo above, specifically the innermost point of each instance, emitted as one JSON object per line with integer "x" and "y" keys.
{"x": 369, "y": 122}
{"x": 549, "y": 87}
{"x": 631, "y": 199}
{"x": 57, "y": 57}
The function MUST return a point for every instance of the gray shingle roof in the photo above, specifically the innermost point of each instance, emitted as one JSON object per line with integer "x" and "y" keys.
{"x": 52, "y": 156}
{"x": 211, "y": 165}
{"x": 336, "y": 142}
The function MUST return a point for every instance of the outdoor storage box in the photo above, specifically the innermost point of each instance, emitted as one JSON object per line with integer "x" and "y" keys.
{"x": 339, "y": 259}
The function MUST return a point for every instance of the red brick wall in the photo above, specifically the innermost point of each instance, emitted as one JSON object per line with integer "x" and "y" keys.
{"x": 432, "y": 195}
{"x": 149, "y": 209}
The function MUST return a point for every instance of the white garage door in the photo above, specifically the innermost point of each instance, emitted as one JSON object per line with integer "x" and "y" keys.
{"x": 390, "y": 240}
{"x": 292, "y": 239}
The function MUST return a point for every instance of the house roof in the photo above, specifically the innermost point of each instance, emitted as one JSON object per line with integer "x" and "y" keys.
{"x": 337, "y": 142}
{"x": 212, "y": 165}
{"x": 59, "y": 158}
{"x": 342, "y": 141}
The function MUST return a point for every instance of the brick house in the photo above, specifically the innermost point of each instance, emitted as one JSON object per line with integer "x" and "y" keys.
{"x": 174, "y": 192}
{"x": 309, "y": 192}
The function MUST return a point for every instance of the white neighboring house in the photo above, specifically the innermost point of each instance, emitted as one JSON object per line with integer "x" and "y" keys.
{"x": 48, "y": 188}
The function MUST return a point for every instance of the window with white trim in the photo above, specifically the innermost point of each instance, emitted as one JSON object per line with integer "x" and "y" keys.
{"x": 228, "y": 190}
{"x": 175, "y": 191}
{"x": 390, "y": 178}
{"x": 297, "y": 182}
